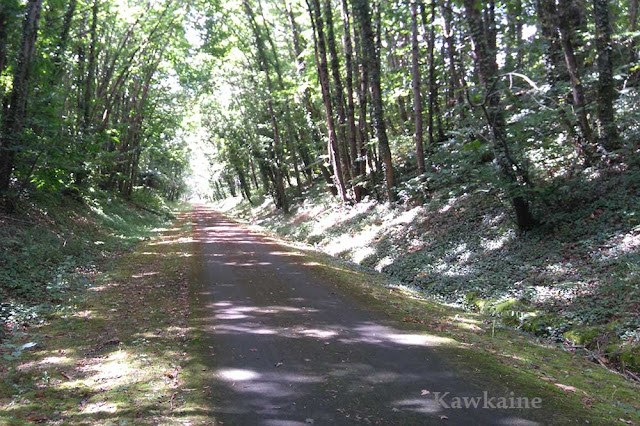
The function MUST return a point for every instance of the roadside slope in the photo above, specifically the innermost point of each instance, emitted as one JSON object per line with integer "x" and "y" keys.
{"x": 116, "y": 355}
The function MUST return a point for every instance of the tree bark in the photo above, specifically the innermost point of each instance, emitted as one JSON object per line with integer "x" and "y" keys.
{"x": 13, "y": 119}
{"x": 577, "y": 91}
{"x": 338, "y": 92}
{"x": 417, "y": 93}
{"x": 372, "y": 63}
{"x": 325, "y": 86}
{"x": 349, "y": 65}
{"x": 281, "y": 197}
{"x": 607, "y": 131}
{"x": 455, "y": 89}
{"x": 4, "y": 23}
{"x": 487, "y": 71}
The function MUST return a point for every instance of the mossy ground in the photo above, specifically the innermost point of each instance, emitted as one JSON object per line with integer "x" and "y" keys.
{"x": 120, "y": 353}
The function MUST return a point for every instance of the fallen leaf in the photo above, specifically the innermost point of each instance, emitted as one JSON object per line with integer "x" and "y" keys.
{"x": 444, "y": 418}
{"x": 424, "y": 392}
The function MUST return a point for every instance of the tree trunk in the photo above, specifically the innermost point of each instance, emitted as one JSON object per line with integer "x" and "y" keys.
{"x": 323, "y": 76}
{"x": 363, "y": 133}
{"x": 372, "y": 63}
{"x": 455, "y": 89}
{"x": 487, "y": 70}
{"x": 417, "y": 93}
{"x": 552, "y": 46}
{"x": 281, "y": 197}
{"x": 349, "y": 65}
{"x": 64, "y": 33}
{"x": 607, "y": 132}
{"x": 4, "y": 23}
{"x": 338, "y": 92}
{"x": 13, "y": 119}
{"x": 577, "y": 91}
{"x": 433, "y": 90}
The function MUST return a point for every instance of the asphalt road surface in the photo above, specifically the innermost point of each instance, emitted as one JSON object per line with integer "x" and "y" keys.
{"x": 287, "y": 348}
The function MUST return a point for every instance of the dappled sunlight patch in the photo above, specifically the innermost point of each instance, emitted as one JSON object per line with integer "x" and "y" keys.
{"x": 236, "y": 375}
{"x": 491, "y": 244}
{"x": 621, "y": 244}
{"x": 100, "y": 407}
{"x": 286, "y": 253}
{"x": 452, "y": 202}
{"x": 145, "y": 274}
{"x": 180, "y": 240}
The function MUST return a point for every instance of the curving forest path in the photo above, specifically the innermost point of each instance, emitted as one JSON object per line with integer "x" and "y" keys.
{"x": 288, "y": 348}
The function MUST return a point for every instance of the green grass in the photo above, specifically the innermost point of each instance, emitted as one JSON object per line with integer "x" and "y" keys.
{"x": 53, "y": 244}
{"x": 119, "y": 354}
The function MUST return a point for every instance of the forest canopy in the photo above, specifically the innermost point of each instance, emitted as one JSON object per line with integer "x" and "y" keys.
{"x": 383, "y": 99}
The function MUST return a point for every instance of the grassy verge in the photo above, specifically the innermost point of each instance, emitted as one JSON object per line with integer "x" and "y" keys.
{"x": 52, "y": 246}
{"x": 117, "y": 354}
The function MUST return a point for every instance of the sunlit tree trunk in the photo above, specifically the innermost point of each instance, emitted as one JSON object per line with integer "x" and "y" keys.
{"x": 455, "y": 89}
{"x": 358, "y": 188}
{"x": 577, "y": 90}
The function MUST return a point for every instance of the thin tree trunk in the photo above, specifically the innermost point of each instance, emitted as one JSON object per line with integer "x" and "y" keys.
{"x": 323, "y": 76}
{"x": 372, "y": 63}
{"x": 4, "y": 24}
{"x": 579, "y": 104}
{"x": 349, "y": 65}
{"x": 487, "y": 70}
{"x": 281, "y": 197}
{"x": 363, "y": 133}
{"x": 64, "y": 33}
{"x": 338, "y": 92}
{"x": 608, "y": 134}
{"x": 429, "y": 28}
{"x": 455, "y": 88}
{"x": 13, "y": 119}
{"x": 552, "y": 46}
{"x": 417, "y": 93}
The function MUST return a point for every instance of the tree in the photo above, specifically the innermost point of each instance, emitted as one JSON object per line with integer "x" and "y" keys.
{"x": 417, "y": 90}
{"x": 487, "y": 70}
{"x": 13, "y": 118}
{"x": 323, "y": 76}
{"x": 607, "y": 131}
{"x": 371, "y": 61}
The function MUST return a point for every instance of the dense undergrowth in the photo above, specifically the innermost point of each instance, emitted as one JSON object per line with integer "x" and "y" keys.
{"x": 573, "y": 279}
{"x": 54, "y": 243}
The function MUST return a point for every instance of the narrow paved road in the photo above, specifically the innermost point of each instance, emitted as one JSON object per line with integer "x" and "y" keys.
{"x": 290, "y": 349}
